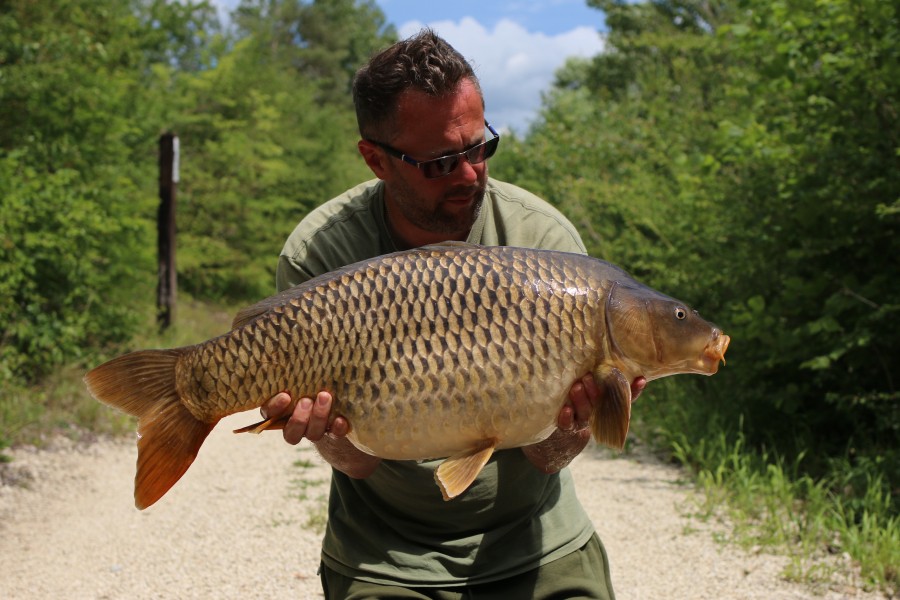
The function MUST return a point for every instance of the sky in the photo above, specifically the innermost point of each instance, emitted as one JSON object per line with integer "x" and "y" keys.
{"x": 515, "y": 46}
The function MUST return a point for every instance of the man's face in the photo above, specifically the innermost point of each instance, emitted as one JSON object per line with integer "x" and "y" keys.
{"x": 422, "y": 210}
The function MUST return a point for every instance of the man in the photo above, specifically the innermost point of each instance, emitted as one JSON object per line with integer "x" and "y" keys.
{"x": 519, "y": 531}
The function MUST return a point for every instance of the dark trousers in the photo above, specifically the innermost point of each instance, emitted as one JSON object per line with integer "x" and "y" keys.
{"x": 581, "y": 574}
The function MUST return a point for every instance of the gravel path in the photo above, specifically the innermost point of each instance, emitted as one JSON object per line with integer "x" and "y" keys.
{"x": 246, "y": 522}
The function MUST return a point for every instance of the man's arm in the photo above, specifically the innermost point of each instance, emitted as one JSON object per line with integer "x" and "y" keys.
{"x": 573, "y": 426}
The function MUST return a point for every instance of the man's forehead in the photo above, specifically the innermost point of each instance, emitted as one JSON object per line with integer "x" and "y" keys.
{"x": 422, "y": 119}
{"x": 414, "y": 99}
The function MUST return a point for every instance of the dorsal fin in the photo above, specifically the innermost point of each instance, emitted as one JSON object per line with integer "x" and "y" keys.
{"x": 245, "y": 315}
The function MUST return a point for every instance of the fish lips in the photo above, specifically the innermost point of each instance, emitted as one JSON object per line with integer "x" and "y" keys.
{"x": 714, "y": 352}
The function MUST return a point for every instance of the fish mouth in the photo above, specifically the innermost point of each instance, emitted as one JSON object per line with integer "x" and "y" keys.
{"x": 715, "y": 352}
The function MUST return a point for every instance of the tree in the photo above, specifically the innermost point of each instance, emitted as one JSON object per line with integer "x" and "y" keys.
{"x": 326, "y": 41}
{"x": 78, "y": 127}
{"x": 743, "y": 156}
{"x": 69, "y": 243}
{"x": 262, "y": 145}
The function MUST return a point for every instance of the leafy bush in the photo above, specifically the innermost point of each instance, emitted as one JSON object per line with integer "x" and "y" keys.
{"x": 742, "y": 156}
{"x": 68, "y": 257}
{"x": 87, "y": 86}
{"x": 724, "y": 154}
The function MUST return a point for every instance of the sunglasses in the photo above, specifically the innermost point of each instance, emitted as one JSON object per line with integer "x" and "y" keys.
{"x": 444, "y": 165}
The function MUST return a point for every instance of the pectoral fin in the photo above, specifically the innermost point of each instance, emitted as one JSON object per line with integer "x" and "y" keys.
{"x": 611, "y": 418}
{"x": 457, "y": 473}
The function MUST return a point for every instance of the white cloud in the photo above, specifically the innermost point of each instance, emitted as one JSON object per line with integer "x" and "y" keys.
{"x": 514, "y": 65}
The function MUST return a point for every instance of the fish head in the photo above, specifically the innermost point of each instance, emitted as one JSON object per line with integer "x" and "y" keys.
{"x": 656, "y": 335}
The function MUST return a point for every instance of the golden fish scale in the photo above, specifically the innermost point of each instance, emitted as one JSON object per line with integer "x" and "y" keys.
{"x": 425, "y": 353}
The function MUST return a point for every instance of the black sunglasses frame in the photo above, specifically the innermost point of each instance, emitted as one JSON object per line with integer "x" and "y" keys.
{"x": 444, "y": 165}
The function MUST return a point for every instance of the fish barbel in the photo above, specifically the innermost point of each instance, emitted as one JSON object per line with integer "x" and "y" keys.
{"x": 443, "y": 351}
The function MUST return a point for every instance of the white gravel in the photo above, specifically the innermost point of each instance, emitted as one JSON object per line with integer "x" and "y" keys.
{"x": 246, "y": 522}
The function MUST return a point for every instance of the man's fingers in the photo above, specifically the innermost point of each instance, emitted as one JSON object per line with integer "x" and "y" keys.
{"x": 309, "y": 419}
{"x": 583, "y": 395}
{"x": 295, "y": 428}
{"x": 318, "y": 421}
{"x": 339, "y": 427}
{"x": 276, "y": 405}
{"x": 591, "y": 389}
{"x": 583, "y": 398}
{"x": 566, "y": 419}
{"x": 637, "y": 386}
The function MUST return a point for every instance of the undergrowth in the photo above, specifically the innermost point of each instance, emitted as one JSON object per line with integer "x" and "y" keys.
{"x": 60, "y": 403}
{"x": 832, "y": 535}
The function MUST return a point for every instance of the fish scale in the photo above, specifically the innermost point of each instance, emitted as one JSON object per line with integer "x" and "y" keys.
{"x": 448, "y": 351}
{"x": 446, "y": 312}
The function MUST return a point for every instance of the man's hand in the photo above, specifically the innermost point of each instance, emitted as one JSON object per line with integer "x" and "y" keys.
{"x": 583, "y": 398}
{"x": 309, "y": 419}
{"x": 573, "y": 425}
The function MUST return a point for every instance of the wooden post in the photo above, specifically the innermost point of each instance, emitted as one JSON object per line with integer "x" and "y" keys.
{"x": 167, "y": 286}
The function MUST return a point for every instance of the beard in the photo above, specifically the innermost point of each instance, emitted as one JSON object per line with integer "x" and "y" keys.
{"x": 440, "y": 218}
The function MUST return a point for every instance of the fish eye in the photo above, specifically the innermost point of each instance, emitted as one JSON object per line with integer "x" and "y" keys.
{"x": 680, "y": 313}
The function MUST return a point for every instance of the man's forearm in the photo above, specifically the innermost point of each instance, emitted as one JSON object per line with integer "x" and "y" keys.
{"x": 558, "y": 450}
{"x": 346, "y": 458}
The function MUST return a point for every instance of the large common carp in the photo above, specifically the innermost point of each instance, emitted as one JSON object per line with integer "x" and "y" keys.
{"x": 444, "y": 351}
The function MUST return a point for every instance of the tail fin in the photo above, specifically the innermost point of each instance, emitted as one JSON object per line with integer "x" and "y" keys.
{"x": 610, "y": 420}
{"x": 169, "y": 436}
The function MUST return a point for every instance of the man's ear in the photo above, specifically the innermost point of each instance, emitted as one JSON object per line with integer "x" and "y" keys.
{"x": 374, "y": 157}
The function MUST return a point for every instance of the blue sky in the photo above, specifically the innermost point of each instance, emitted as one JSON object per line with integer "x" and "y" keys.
{"x": 550, "y": 17}
{"x": 515, "y": 46}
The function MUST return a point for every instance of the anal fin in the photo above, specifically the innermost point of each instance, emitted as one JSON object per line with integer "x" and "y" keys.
{"x": 456, "y": 474}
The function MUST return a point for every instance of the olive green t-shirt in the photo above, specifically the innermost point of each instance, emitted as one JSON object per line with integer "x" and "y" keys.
{"x": 394, "y": 527}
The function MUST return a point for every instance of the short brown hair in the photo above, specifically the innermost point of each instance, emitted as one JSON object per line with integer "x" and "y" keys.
{"x": 425, "y": 62}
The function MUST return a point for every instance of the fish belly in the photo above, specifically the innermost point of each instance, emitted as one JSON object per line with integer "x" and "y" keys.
{"x": 442, "y": 425}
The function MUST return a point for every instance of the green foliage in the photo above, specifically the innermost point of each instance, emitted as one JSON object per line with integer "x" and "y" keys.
{"x": 60, "y": 403}
{"x": 326, "y": 41}
{"x": 256, "y": 159}
{"x": 814, "y": 521}
{"x": 69, "y": 246}
{"x": 743, "y": 156}
{"x": 266, "y": 135}
{"x": 730, "y": 155}
{"x": 87, "y": 86}
{"x": 823, "y": 147}
{"x": 66, "y": 249}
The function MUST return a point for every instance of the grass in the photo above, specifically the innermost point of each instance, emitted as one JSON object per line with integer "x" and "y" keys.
{"x": 832, "y": 535}
{"x": 61, "y": 405}
{"x": 313, "y": 491}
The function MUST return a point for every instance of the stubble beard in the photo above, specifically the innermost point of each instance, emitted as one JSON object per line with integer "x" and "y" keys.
{"x": 439, "y": 220}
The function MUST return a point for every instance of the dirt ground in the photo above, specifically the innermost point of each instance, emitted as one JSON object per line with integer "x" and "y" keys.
{"x": 246, "y": 522}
